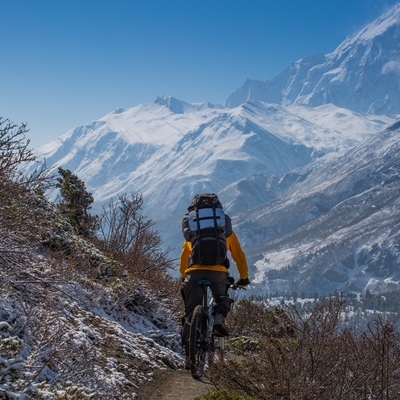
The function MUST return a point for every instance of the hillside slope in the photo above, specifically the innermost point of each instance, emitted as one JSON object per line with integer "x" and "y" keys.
{"x": 338, "y": 228}
{"x": 65, "y": 330}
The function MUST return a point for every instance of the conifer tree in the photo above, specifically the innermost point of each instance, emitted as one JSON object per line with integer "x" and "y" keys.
{"x": 76, "y": 202}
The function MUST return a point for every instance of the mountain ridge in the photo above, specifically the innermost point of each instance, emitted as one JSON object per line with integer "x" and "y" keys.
{"x": 361, "y": 74}
{"x": 147, "y": 146}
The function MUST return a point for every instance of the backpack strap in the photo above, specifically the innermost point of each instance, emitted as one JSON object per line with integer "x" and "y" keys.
{"x": 199, "y": 231}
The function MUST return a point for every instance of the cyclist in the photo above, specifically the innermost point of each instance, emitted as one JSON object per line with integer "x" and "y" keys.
{"x": 193, "y": 269}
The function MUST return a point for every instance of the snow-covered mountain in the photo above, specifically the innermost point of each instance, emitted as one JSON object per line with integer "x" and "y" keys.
{"x": 170, "y": 150}
{"x": 257, "y": 154}
{"x": 339, "y": 228}
{"x": 362, "y": 74}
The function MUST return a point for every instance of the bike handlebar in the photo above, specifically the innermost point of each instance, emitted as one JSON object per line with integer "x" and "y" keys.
{"x": 233, "y": 286}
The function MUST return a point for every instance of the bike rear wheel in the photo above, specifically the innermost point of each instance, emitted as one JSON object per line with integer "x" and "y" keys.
{"x": 198, "y": 342}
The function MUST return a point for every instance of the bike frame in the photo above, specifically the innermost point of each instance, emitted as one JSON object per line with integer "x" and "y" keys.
{"x": 208, "y": 304}
{"x": 213, "y": 341}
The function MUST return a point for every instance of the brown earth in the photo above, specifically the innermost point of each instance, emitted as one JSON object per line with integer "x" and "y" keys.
{"x": 174, "y": 385}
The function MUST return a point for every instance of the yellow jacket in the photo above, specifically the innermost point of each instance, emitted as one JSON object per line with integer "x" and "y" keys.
{"x": 232, "y": 244}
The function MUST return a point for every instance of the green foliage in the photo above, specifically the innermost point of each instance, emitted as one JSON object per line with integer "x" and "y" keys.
{"x": 76, "y": 203}
{"x": 241, "y": 344}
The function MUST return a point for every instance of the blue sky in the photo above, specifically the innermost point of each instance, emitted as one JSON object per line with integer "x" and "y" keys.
{"x": 66, "y": 63}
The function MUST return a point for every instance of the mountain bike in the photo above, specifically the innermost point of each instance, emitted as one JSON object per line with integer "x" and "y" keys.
{"x": 204, "y": 345}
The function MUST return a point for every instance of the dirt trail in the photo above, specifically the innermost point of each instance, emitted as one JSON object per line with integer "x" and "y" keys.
{"x": 174, "y": 385}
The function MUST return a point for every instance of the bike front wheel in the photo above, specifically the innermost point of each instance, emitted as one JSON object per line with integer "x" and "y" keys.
{"x": 198, "y": 346}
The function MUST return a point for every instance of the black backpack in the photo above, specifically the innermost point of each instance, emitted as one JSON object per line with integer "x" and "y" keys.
{"x": 206, "y": 226}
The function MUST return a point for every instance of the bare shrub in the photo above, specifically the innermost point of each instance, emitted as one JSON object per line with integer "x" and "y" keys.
{"x": 129, "y": 237}
{"x": 14, "y": 149}
{"x": 21, "y": 200}
{"x": 250, "y": 318}
{"x": 15, "y": 152}
{"x": 58, "y": 352}
{"x": 316, "y": 359}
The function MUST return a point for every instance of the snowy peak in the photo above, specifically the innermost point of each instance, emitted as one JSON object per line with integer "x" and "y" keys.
{"x": 383, "y": 33}
{"x": 174, "y": 105}
{"x": 181, "y": 107}
{"x": 362, "y": 74}
{"x": 388, "y": 20}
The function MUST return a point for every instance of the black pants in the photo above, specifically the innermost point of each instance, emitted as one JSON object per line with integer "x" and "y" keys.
{"x": 192, "y": 294}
